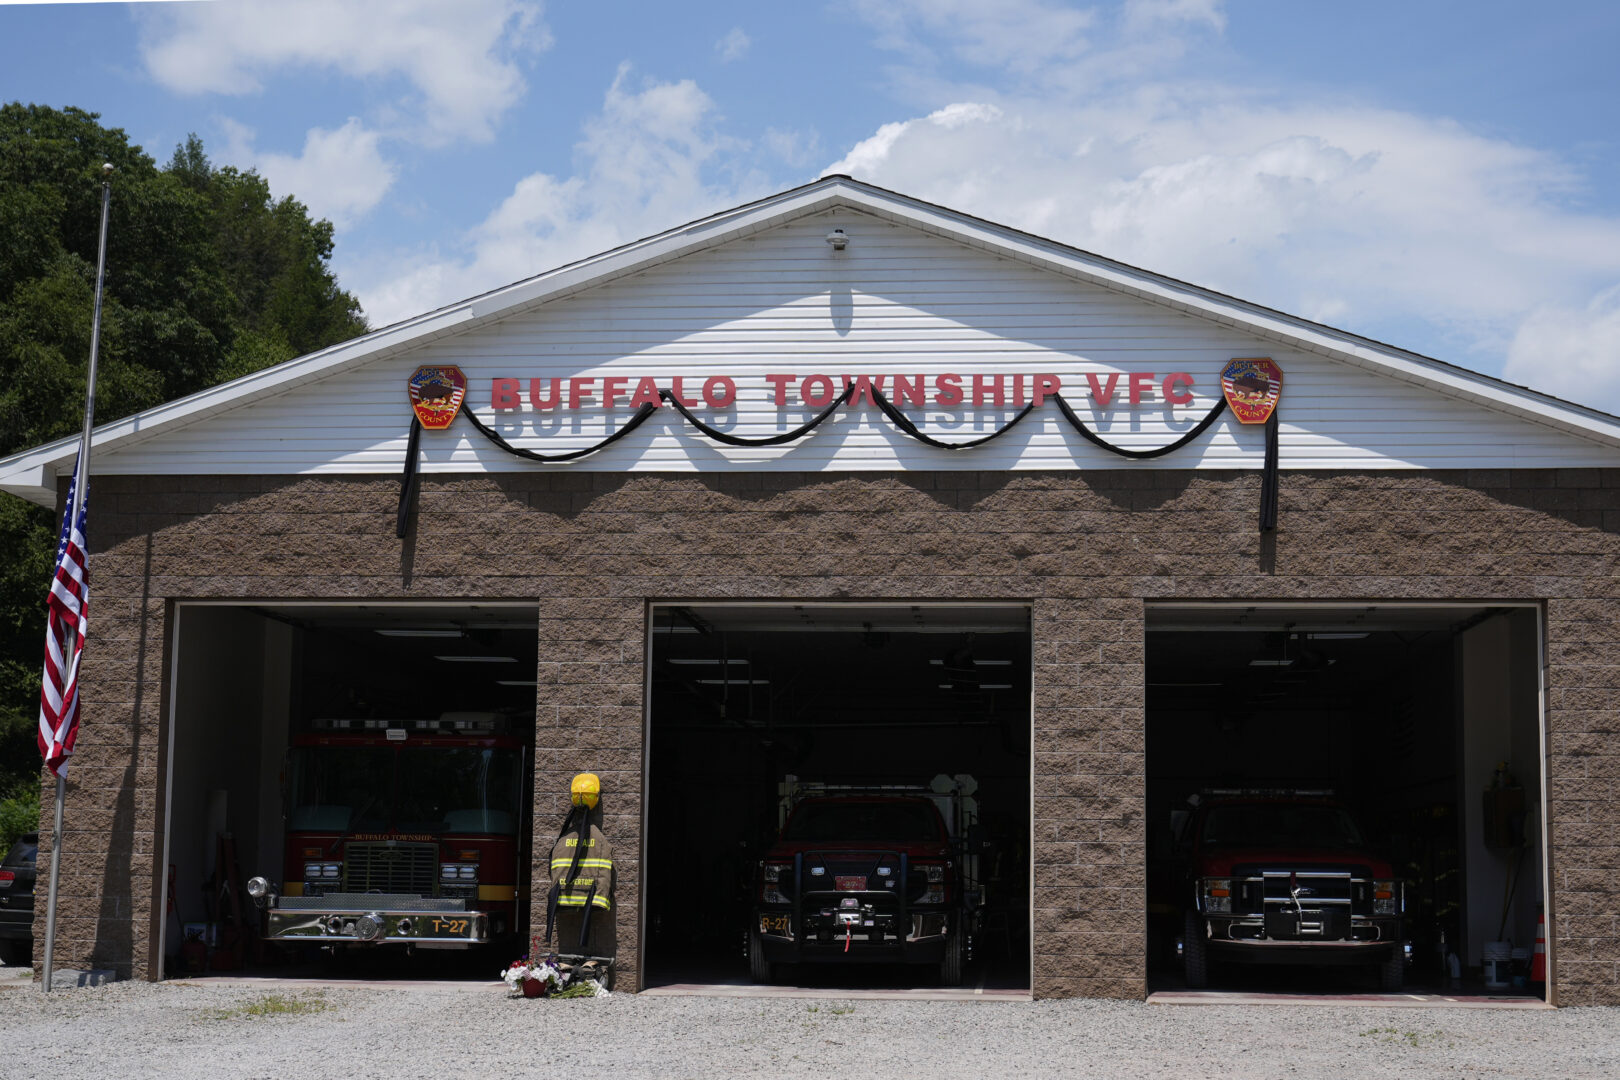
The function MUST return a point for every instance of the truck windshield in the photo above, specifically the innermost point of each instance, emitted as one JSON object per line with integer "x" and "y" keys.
{"x": 863, "y": 822}
{"x": 341, "y": 789}
{"x": 459, "y": 790}
{"x": 1280, "y": 824}
{"x": 412, "y": 789}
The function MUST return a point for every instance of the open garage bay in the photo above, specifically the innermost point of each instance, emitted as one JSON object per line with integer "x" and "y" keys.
{"x": 755, "y": 706}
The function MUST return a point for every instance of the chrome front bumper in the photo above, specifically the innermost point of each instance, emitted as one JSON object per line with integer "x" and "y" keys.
{"x": 376, "y": 919}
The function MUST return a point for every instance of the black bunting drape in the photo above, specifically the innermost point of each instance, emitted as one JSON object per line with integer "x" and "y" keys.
{"x": 1268, "y": 486}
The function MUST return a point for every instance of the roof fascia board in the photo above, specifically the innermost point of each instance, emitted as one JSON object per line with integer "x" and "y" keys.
{"x": 645, "y": 254}
{"x": 32, "y": 472}
{"x": 1251, "y": 318}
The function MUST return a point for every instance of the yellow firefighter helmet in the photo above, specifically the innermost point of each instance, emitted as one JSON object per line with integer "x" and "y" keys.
{"x": 586, "y": 790}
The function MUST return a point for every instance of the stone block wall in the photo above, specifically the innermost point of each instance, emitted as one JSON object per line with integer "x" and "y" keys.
{"x": 1087, "y": 551}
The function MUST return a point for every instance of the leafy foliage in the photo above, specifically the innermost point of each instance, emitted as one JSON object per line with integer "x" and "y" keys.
{"x": 208, "y": 278}
{"x": 19, "y": 815}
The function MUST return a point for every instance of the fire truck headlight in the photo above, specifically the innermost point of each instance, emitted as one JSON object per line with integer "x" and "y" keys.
{"x": 312, "y": 871}
{"x": 258, "y": 888}
{"x": 468, "y": 873}
{"x": 448, "y": 871}
{"x": 331, "y": 869}
{"x": 1218, "y": 895}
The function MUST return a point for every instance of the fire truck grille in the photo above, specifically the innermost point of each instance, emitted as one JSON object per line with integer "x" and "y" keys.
{"x": 1314, "y": 888}
{"x": 391, "y": 868}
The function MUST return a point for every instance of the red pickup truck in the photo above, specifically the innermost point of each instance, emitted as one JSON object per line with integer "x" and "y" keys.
{"x": 859, "y": 879}
{"x": 1274, "y": 877}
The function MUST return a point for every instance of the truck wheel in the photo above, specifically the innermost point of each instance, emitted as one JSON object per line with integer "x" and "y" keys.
{"x": 760, "y": 969}
{"x": 1193, "y": 953}
{"x": 950, "y": 968}
{"x": 1392, "y": 972}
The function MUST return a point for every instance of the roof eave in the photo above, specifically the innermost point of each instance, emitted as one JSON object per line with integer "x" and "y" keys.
{"x": 32, "y": 473}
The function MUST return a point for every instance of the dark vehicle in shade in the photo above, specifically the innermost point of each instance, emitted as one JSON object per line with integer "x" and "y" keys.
{"x": 17, "y": 902}
{"x": 1286, "y": 877}
{"x": 859, "y": 879}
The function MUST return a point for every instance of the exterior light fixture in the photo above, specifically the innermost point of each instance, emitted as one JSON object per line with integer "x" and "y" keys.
{"x": 837, "y": 240}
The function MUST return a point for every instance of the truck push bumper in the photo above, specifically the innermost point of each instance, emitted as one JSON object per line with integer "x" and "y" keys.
{"x": 376, "y": 919}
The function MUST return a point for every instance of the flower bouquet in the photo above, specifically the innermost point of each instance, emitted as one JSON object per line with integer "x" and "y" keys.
{"x": 551, "y": 977}
{"x": 532, "y": 979}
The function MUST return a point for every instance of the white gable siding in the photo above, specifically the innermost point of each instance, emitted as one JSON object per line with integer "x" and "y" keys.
{"x": 897, "y": 301}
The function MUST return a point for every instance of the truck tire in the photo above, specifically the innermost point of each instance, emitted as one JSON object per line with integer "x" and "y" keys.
{"x": 760, "y": 969}
{"x": 950, "y": 968}
{"x": 1193, "y": 953}
{"x": 1392, "y": 972}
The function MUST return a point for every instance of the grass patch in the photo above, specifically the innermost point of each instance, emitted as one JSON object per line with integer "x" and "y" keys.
{"x": 1414, "y": 1039}
{"x": 273, "y": 1005}
{"x": 579, "y": 990}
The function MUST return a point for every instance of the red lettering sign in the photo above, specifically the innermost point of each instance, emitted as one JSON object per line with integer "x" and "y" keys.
{"x": 949, "y": 389}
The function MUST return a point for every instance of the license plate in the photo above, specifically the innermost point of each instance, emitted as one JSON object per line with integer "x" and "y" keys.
{"x": 850, "y": 882}
{"x": 774, "y": 924}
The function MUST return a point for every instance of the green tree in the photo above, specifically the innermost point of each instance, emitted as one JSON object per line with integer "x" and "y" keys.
{"x": 208, "y": 278}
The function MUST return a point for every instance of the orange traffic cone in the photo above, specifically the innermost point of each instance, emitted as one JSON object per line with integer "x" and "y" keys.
{"x": 1538, "y": 961}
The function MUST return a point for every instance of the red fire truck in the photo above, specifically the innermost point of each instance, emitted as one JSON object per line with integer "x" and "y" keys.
{"x": 402, "y": 833}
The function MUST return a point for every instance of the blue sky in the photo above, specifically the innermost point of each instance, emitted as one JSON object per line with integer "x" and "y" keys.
{"x": 1442, "y": 176}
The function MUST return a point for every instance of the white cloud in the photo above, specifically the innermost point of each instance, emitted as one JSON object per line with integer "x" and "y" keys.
{"x": 1359, "y": 211}
{"x": 734, "y": 46}
{"x": 1147, "y": 14}
{"x": 1020, "y": 35}
{"x": 641, "y": 165}
{"x": 1571, "y": 352}
{"x": 870, "y": 155}
{"x": 1370, "y": 218}
{"x": 340, "y": 175}
{"x": 459, "y": 59}
{"x": 795, "y": 148}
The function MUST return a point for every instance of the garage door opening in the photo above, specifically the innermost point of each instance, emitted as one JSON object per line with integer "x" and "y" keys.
{"x": 1313, "y": 769}
{"x": 755, "y": 710}
{"x": 352, "y": 756}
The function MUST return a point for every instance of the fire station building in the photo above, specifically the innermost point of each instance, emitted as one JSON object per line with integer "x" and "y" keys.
{"x": 844, "y": 491}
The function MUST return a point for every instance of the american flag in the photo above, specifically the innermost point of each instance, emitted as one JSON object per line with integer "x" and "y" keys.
{"x": 69, "y": 607}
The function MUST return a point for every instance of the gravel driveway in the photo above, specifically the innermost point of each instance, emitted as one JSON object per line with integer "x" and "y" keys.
{"x": 177, "y": 1030}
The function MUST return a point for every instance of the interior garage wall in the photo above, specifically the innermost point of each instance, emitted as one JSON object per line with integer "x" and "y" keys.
{"x": 1086, "y": 549}
{"x": 231, "y": 718}
{"x": 1500, "y": 704}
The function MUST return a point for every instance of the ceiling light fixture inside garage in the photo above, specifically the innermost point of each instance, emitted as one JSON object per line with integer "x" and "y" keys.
{"x": 477, "y": 659}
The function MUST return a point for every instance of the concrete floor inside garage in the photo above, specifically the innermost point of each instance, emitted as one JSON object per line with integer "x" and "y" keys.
{"x": 745, "y": 697}
{"x": 1404, "y": 713}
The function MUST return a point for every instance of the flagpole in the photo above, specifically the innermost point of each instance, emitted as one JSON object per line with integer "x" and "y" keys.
{"x": 81, "y": 487}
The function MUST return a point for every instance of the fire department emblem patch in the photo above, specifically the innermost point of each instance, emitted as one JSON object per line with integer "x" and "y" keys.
{"x": 1252, "y": 387}
{"x": 436, "y": 395}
